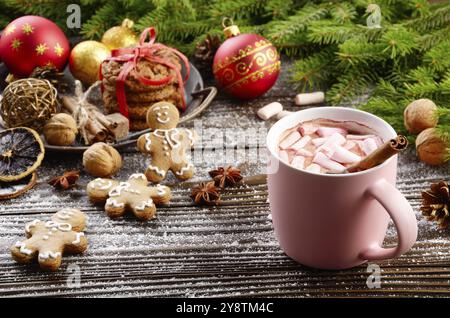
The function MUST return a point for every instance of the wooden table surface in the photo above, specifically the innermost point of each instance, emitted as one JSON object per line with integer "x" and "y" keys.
{"x": 228, "y": 250}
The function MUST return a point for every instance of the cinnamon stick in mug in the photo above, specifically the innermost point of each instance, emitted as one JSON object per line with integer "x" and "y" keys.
{"x": 383, "y": 153}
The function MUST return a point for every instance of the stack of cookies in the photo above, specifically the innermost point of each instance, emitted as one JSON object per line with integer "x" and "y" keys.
{"x": 141, "y": 97}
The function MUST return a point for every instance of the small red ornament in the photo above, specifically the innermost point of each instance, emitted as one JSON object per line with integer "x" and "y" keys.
{"x": 32, "y": 41}
{"x": 246, "y": 65}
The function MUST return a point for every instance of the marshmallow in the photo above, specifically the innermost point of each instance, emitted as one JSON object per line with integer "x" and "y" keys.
{"x": 307, "y": 129}
{"x": 309, "y": 98}
{"x": 298, "y": 162}
{"x": 319, "y": 141}
{"x": 290, "y": 139}
{"x": 359, "y": 137}
{"x": 378, "y": 141}
{"x": 283, "y": 114}
{"x": 343, "y": 155}
{"x": 313, "y": 168}
{"x": 301, "y": 143}
{"x": 284, "y": 156}
{"x": 269, "y": 110}
{"x": 327, "y": 163}
{"x": 304, "y": 152}
{"x": 328, "y": 131}
{"x": 369, "y": 145}
{"x": 334, "y": 140}
{"x": 349, "y": 144}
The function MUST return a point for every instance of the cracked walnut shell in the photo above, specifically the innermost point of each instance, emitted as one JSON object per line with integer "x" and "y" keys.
{"x": 101, "y": 160}
{"x": 61, "y": 130}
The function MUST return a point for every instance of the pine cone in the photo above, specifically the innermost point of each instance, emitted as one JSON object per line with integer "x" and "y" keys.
{"x": 205, "y": 51}
{"x": 436, "y": 202}
{"x": 51, "y": 74}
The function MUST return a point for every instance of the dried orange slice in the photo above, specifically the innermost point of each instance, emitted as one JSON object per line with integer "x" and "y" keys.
{"x": 10, "y": 190}
{"x": 21, "y": 153}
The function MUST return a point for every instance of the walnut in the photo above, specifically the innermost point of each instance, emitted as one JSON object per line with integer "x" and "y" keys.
{"x": 432, "y": 147}
{"x": 420, "y": 115}
{"x": 60, "y": 130}
{"x": 101, "y": 160}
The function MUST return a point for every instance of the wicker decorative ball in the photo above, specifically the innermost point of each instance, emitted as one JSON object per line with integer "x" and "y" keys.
{"x": 29, "y": 103}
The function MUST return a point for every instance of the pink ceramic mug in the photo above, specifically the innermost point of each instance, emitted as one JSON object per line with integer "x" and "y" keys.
{"x": 337, "y": 221}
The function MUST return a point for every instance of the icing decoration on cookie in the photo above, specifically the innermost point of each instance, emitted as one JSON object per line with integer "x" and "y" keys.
{"x": 159, "y": 171}
{"x": 161, "y": 190}
{"x": 148, "y": 142}
{"x": 113, "y": 203}
{"x": 184, "y": 169}
{"x": 23, "y": 248}
{"x": 48, "y": 240}
{"x": 145, "y": 204}
{"x": 101, "y": 184}
{"x": 138, "y": 176}
{"x": 32, "y": 224}
{"x": 78, "y": 238}
{"x": 47, "y": 255}
{"x": 134, "y": 195}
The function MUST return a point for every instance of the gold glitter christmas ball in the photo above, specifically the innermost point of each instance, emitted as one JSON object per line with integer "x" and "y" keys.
{"x": 85, "y": 60}
{"x": 120, "y": 36}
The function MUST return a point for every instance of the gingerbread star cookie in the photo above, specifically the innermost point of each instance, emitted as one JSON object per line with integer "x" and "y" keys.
{"x": 49, "y": 240}
{"x": 166, "y": 144}
{"x": 133, "y": 195}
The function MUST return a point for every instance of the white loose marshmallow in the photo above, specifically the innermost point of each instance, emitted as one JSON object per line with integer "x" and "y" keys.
{"x": 290, "y": 139}
{"x": 328, "y": 131}
{"x": 327, "y": 163}
{"x": 309, "y": 98}
{"x": 283, "y": 114}
{"x": 269, "y": 110}
{"x": 298, "y": 162}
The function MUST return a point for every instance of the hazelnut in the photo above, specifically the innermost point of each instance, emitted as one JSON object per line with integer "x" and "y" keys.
{"x": 431, "y": 147}
{"x": 420, "y": 115}
{"x": 101, "y": 160}
{"x": 60, "y": 130}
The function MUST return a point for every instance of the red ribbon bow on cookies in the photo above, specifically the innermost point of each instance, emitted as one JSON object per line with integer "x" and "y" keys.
{"x": 145, "y": 50}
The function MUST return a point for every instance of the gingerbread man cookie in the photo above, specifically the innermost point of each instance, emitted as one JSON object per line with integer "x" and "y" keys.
{"x": 49, "y": 240}
{"x": 166, "y": 144}
{"x": 134, "y": 195}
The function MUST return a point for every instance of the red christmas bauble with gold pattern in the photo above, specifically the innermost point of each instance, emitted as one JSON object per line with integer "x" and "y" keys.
{"x": 32, "y": 41}
{"x": 246, "y": 65}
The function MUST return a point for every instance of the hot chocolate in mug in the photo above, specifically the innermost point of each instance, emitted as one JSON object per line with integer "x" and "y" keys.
{"x": 336, "y": 221}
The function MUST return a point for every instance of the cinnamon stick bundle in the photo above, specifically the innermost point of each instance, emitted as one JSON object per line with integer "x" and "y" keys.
{"x": 93, "y": 124}
{"x": 387, "y": 150}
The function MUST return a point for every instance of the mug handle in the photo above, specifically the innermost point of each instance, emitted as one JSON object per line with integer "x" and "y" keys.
{"x": 403, "y": 216}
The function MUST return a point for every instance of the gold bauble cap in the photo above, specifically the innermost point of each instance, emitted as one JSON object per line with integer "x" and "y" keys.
{"x": 229, "y": 28}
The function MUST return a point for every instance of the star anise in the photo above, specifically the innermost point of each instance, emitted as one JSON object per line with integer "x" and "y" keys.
{"x": 205, "y": 193}
{"x": 225, "y": 177}
{"x": 66, "y": 181}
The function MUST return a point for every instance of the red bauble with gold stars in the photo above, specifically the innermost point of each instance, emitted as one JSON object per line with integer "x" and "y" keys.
{"x": 32, "y": 41}
{"x": 246, "y": 65}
